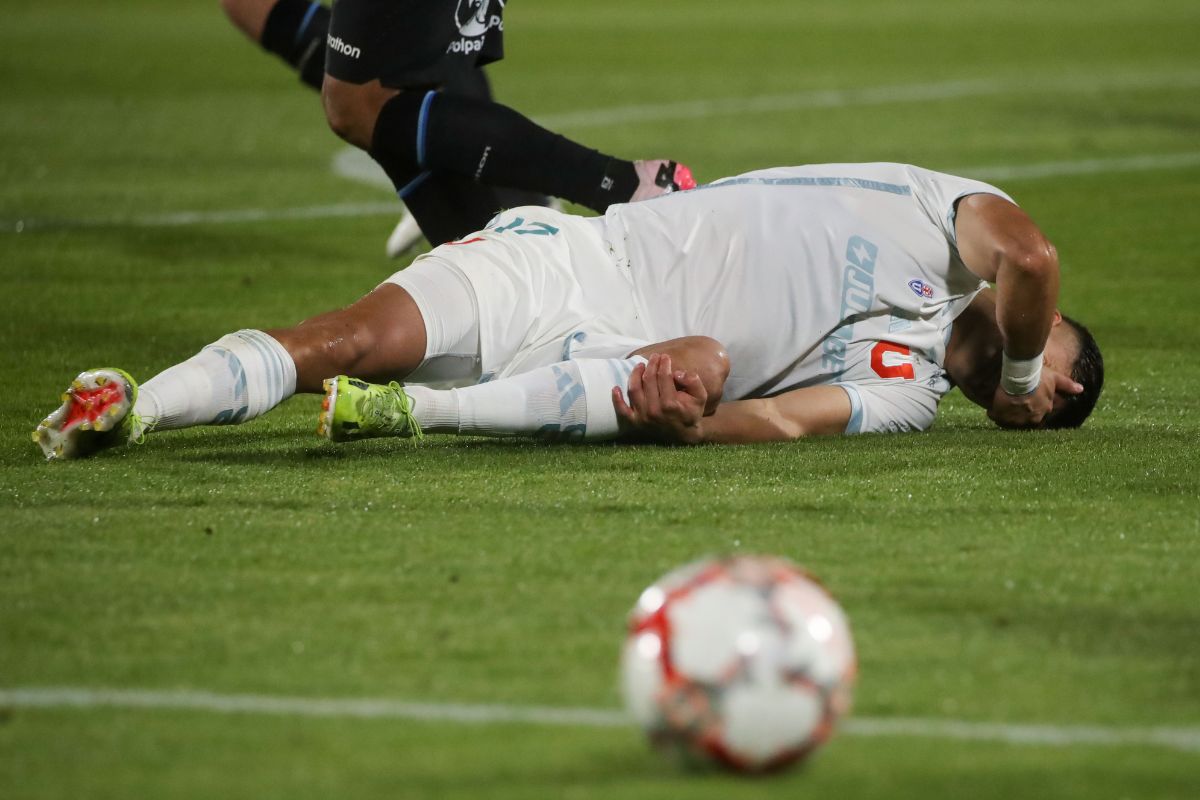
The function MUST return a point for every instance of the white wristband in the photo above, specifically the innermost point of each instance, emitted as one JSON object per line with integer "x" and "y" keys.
{"x": 1020, "y": 375}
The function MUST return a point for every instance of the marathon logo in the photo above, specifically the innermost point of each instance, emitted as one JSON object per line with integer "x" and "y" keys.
{"x": 345, "y": 48}
{"x": 858, "y": 292}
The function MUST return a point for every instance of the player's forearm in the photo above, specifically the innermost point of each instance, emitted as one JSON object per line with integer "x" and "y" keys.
{"x": 747, "y": 422}
{"x": 813, "y": 411}
{"x": 1026, "y": 296}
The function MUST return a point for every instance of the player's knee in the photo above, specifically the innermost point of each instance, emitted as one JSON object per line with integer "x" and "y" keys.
{"x": 702, "y": 355}
{"x": 339, "y": 109}
{"x": 709, "y": 360}
{"x": 350, "y": 111}
{"x": 246, "y": 16}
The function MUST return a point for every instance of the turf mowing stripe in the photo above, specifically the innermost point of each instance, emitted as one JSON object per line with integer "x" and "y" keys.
{"x": 1087, "y": 166}
{"x": 1186, "y": 739}
{"x": 843, "y": 98}
{"x": 183, "y": 218}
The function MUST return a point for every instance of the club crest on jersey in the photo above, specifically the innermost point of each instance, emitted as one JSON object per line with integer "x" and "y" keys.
{"x": 921, "y": 288}
{"x": 472, "y": 17}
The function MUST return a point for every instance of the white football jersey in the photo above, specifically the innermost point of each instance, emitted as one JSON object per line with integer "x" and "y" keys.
{"x": 843, "y": 274}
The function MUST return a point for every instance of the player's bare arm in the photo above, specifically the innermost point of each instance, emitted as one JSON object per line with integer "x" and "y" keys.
{"x": 1000, "y": 243}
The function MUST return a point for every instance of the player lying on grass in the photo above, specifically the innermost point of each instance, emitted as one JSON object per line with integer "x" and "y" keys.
{"x": 783, "y": 303}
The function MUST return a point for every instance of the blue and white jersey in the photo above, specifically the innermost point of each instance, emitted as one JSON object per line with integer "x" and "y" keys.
{"x": 844, "y": 274}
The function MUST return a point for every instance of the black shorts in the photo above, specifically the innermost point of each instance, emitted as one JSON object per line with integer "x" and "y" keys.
{"x": 408, "y": 44}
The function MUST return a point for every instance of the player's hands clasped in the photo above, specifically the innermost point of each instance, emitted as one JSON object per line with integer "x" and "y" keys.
{"x": 664, "y": 404}
{"x": 1030, "y": 410}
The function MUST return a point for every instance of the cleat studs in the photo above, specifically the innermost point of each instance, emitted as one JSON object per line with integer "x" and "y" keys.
{"x": 77, "y": 385}
{"x": 37, "y": 436}
{"x": 101, "y": 380}
{"x": 65, "y": 397}
{"x": 113, "y": 411}
{"x": 86, "y": 425}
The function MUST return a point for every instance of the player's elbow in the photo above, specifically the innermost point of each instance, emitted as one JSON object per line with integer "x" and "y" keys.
{"x": 1036, "y": 259}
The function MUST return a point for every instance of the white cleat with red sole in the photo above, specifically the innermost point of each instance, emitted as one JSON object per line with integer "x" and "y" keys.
{"x": 96, "y": 413}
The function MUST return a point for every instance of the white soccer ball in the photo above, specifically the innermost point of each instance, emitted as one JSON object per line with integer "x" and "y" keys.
{"x": 744, "y": 661}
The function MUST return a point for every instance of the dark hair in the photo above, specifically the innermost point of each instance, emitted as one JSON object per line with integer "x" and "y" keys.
{"x": 1089, "y": 371}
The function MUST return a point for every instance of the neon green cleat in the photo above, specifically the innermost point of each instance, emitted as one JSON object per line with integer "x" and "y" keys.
{"x": 354, "y": 409}
{"x": 96, "y": 413}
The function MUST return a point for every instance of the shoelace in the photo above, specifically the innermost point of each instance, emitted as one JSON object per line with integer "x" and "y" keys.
{"x": 387, "y": 411}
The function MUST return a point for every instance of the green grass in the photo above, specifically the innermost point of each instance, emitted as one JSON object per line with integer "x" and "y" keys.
{"x": 1043, "y": 578}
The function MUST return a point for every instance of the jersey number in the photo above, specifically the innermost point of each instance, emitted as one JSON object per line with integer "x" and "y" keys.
{"x": 531, "y": 229}
{"x": 903, "y": 369}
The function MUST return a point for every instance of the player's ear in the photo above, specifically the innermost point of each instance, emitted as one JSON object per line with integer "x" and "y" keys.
{"x": 1057, "y": 319}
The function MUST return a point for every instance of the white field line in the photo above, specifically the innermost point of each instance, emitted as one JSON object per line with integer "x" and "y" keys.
{"x": 176, "y": 219}
{"x": 878, "y": 95}
{"x": 1083, "y": 166}
{"x": 1185, "y": 739}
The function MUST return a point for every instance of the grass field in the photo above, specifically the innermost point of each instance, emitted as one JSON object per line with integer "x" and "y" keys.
{"x": 1020, "y": 579}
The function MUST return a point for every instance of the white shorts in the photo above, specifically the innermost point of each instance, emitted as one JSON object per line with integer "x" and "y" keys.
{"x": 546, "y": 289}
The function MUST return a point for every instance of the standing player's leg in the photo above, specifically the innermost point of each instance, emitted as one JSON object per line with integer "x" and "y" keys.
{"x": 474, "y": 83}
{"x": 447, "y": 206}
{"x": 382, "y": 67}
{"x": 450, "y": 205}
{"x": 294, "y": 30}
{"x": 413, "y": 134}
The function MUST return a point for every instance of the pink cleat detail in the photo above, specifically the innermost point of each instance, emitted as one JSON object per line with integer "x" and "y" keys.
{"x": 659, "y": 177}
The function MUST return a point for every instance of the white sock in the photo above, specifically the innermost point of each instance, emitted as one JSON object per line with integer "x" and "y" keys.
{"x": 236, "y": 378}
{"x": 568, "y": 401}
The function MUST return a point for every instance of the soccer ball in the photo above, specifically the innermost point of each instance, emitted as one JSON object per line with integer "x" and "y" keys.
{"x": 745, "y": 661}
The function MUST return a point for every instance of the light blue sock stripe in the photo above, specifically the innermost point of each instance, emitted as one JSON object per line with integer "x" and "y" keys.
{"x": 270, "y": 361}
{"x": 308, "y": 15}
{"x": 423, "y": 126}
{"x": 268, "y": 348}
{"x": 621, "y": 370}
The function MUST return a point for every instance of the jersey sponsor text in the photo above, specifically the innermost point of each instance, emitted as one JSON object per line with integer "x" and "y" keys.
{"x": 345, "y": 48}
{"x": 858, "y": 289}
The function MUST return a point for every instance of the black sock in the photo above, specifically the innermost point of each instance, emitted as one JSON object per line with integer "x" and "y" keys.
{"x": 474, "y": 83}
{"x": 490, "y": 143}
{"x": 448, "y": 206}
{"x": 295, "y": 31}
{"x": 494, "y": 144}
{"x": 394, "y": 140}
